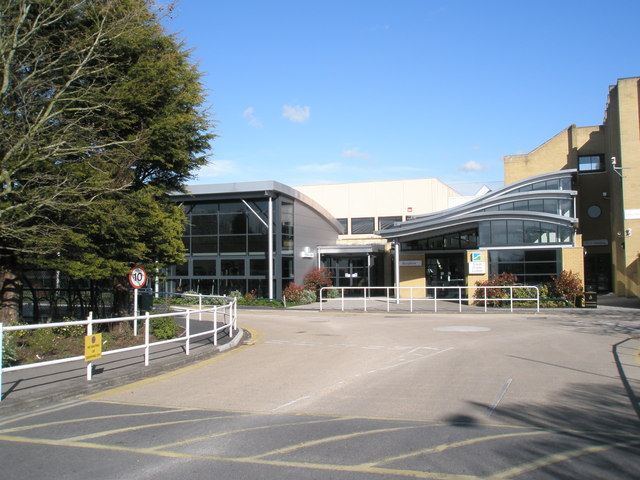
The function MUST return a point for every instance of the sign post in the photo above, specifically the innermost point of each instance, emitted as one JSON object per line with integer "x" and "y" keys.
{"x": 137, "y": 279}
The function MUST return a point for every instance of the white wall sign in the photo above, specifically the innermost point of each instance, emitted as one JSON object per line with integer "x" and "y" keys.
{"x": 477, "y": 268}
{"x": 410, "y": 263}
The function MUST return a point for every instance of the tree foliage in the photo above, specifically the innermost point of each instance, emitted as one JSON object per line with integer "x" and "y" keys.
{"x": 101, "y": 117}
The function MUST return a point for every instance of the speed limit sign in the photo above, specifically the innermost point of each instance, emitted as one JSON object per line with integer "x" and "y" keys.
{"x": 137, "y": 277}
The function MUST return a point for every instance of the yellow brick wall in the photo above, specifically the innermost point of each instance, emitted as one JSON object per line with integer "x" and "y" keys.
{"x": 412, "y": 276}
{"x": 573, "y": 260}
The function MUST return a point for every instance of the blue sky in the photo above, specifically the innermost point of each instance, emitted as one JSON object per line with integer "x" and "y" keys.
{"x": 307, "y": 92}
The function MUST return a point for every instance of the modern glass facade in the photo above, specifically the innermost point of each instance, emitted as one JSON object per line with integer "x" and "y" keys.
{"x": 517, "y": 225}
{"x": 227, "y": 238}
{"x": 227, "y": 246}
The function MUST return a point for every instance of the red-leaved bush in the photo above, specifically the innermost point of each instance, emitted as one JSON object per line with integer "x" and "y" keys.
{"x": 317, "y": 278}
{"x": 293, "y": 292}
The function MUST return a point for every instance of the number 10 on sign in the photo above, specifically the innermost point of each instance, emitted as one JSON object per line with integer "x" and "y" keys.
{"x": 137, "y": 279}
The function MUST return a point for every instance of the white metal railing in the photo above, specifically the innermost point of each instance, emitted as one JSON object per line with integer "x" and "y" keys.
{"x": 225, "y": 317}
{"x": 392, "y": 295}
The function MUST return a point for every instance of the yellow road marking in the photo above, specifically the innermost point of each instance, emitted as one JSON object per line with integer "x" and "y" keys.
{"x": 559, "y": 457}
{"x": 90, "y": 419}
{"x": 240, "y": 430}
{"x": 244, "y": 460}
{"x": 447, "y": 446}
{"x": 336, "y": 438}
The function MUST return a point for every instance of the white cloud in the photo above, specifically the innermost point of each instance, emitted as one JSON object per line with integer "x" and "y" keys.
{"x": 355, "y": 153}
{"x": 217, "y": 168}
{"x": 320, "y": 167}
{"x": 473, "y": 166}
{"x": 253, "y": 120}
{"x": 296, "y": 113}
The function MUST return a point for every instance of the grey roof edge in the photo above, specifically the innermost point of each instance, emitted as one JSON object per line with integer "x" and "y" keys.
{"x": 263, "y": 186}
{"x": 446, "y": 223}
{"x": 491, "y": 197}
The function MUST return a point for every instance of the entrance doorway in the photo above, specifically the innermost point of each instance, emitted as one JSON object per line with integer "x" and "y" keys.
{"x": 597, "y": 271}
{"x": 445, "y": 269}
{"x": 351, "y": 271}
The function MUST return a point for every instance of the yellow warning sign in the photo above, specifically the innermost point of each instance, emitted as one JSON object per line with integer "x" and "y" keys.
{"x": 92, "y": 347}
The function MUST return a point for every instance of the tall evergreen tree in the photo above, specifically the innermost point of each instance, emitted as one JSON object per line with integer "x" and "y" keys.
{"x": 101, "y": 116}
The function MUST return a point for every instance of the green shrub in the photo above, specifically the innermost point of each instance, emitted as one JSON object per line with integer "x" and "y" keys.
{"x": 307, "y": 297}
{"x": 71, "y": 331}
{"x": 9, "y": 349}
{"x": 42, "y": 340}
{"x": 332, "y": 293}
{"x": 164, "y": 328}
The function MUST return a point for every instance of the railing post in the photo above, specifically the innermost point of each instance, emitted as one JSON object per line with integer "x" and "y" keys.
{"x": 146, "y": 338}
{"x": 364, "y": 295}
{"x": 89, "y": 332}
{"x": 215, "y": 324}
{"x": 485, "y": 299}
{"x": 188, "y": 331}
{"x": 460, "y": 299}
{"x": 537, "y": 299}
{"x": 435, "y": 299}
{"x": 387, "y": 299}
{"x": 511, "y": 298}
{"x": 342, "y": 291}
{"x": 199, "y": 306}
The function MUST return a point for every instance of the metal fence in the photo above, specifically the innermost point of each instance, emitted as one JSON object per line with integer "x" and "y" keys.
{"x": 225, "y": 317}
{"x": 428, "y": 298}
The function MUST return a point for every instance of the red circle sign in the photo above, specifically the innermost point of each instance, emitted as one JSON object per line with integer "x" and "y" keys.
{"x": 137, "y": 277}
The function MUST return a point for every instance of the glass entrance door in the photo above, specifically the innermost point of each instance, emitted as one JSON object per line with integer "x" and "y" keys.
{"x": 445, "y": 270}
{"x": 348, "y": 271}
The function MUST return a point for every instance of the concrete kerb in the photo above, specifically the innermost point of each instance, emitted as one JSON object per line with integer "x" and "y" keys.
{"x": 167, "y": 358}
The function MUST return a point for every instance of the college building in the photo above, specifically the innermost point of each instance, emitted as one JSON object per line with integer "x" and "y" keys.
{"x": 573, "y": 203}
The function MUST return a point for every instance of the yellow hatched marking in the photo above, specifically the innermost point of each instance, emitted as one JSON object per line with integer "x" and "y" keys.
{"x": 255, "y": 461}
{"x": 313, "y": 443}
{"x": 559, "y": 457}
{"x": 240, "y": 430}
{"x": 447, "y": 446}
{"x": 91, "y": 419}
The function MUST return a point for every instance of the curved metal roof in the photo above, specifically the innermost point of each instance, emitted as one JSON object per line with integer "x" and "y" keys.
{"x": 471, "y": 213}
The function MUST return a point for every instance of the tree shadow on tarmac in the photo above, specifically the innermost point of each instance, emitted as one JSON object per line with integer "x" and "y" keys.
{"x": 591, "y": 432}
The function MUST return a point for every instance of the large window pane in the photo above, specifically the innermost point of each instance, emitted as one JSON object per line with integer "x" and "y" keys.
{"x": 204, "y": 268}
{"x": 387, "y": 222}
{"x": 258, "y": 243}
{"x": 233, "y": 223}
{"x": 200, "y": 208}
{"x": 232, "y": 267}
{"x": 515, "y": 232}
{"x": 233, "y": 244}
{"x": 258, "y": 267}
{"x": 551, "y": 206}
{"x": 484, "y": 234}
{"x": 590, "y": 163}
{"x": 361, "y": 225}
{"x": 204, "y": 245}
{"x": 531, "y": 232}
{"x": 204, "y": 224}
{"x": 499, "y": 232}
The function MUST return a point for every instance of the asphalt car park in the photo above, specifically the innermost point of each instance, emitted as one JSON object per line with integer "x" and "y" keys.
{"x": 359, "y": 395}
